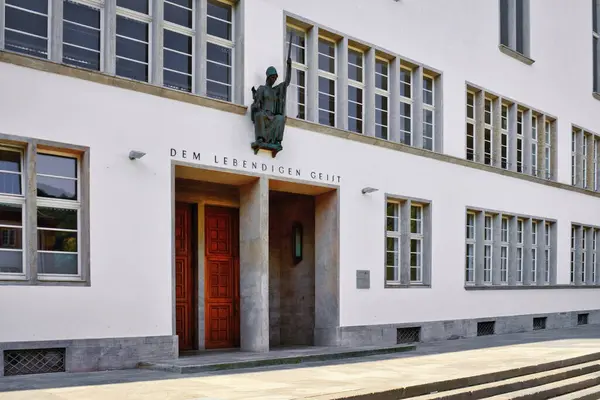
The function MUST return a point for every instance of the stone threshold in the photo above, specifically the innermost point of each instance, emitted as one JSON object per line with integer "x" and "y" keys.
{"x": 232, "y": 359}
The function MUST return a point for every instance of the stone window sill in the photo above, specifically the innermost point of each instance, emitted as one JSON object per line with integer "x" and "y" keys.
{"x": 404, "y": 286}
{"x": 596, "y": 95}
{"x": 515, "y": 54}
{"x": 530, "y": 287}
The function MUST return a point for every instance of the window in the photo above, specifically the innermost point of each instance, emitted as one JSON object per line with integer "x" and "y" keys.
{"x": 406, "y": 106}
{"x": 534, "y": 146}
{"x": 504, "y": 138}
{"x": 381, "y": 98}
{"x": 133, "y": 40}
{"x": 488, "y": 240}
{"x": 584, "y": 244}
{"x": 470, "y": 249}
{"x": 584, "y": 161}
{"x": 57, "y": 223}
{"x": 414, "y": 216}
{"x": 219, "y": 50}
{"x": 355, "y": 90}
{"x": 547, "y": 252}
{"x": 547, "y": 149}
{"x": 519, "y": 250}
{"x": 471, "y": 146}
{"x": 584, "y": 155}
{"x": 514, "y": 25}
{"x": 595, "y": 142}
{"x": 487, "y": 129}
{"x": 178, "y": 60}
{"x": 594, "y": 263}
{"x": 596, "y": 43}
{"x": 583, "y": 251}
{"x": 504, "y": 251}
{"x": 428, "y": 113}
{"x": 327, "y": 81}
{"x": 519, "y": 141}
{"x": 534, "y": 250}
{"x": 574, "y": 157}
{"x": 26, "y": 27}
{"x": 299, "y": 69}
{"x": 81, "y": 35}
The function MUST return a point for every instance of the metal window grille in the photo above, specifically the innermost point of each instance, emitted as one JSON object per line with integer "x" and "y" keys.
{"x": 486, "y": 328}
{"x": 582, "y": 319}
{"x": 408, "y": 335}
{"x": 33, "y": 361}
{"x": 539, "y": 323}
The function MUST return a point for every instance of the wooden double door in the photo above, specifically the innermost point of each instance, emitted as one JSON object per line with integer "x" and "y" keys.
{"x": 221, "y": 278}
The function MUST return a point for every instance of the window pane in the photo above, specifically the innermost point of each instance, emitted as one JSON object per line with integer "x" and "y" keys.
{"x": 57, "y": 241}
{"x": 405, "y": 83}
{"x": 219, "y": 20}
{"x": 177, "y": 81}
{"x": 57, "y": 188}
{"x": 21, "y": 25}
{"x": 26, "y": 22}
{"x": 57, "y": 218}
{"x": 219, "y": 10}
{"x": 177, "y": 14}
{"x": 132, "y": 29}
{"x": 135, "y": 5}
{"x": 218, "y": 54}
{"x": 218, "y": 91}
{"x": 520, "y": 22}
{"x": 11, "y": 262}
{"x": 504, "y": 26}
{"x": 390, "y": 274}
{"x": 10, "y": 214}
{"x": 81, "y": 36}
{"x": 326, "y": 118}
{"x": 355, "y": 125}
{"x": 47, "y": 164}
{"x": 57, "y": 263}
{"x": 131, "y": 69}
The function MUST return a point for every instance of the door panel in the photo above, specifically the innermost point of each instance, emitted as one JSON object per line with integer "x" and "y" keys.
{"x": 221, "y": 278}
{"x": 184, "y": 277}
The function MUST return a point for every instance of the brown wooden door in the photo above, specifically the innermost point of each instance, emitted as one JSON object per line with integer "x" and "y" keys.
{"x": 184, "y": 277}
{"x": 222, "y": 317}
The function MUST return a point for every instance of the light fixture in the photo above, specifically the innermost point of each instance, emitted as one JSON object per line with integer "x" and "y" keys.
{"x": 369, "y": 190}
{"x": 297, "y": 247}
{"x": 135, "y": 155}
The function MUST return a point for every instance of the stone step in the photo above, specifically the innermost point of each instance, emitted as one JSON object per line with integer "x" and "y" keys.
{"x": 553, "y": 389}
{"x": 591, "y": 393}
{"x": 202, "y": 363}
{"x": 514, "y": 384}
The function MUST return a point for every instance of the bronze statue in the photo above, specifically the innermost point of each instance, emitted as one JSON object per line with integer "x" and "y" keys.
{"x": 268, "y": 110}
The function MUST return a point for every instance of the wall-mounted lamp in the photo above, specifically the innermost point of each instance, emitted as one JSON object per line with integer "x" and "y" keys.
{"x": 297, "y": 245}
{"x": 135, "y": 155}
{"x": 369, "y": 190}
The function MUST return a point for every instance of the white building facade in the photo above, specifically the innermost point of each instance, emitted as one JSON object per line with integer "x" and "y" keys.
{"x": 438, "y": 179}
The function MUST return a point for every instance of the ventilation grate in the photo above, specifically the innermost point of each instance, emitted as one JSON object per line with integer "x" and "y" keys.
{"x": 33, "y": 361}
{"x": 408, "y": 335}
{"x": 539, "y": 323}
{"x": 486, "y": 328}
{"x": 582, "y": 319}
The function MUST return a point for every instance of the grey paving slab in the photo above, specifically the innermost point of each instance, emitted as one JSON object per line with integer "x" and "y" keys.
{"x": 325, "y": 380}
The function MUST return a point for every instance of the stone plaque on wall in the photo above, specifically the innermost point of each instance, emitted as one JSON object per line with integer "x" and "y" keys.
{"x": 363, "y": 279}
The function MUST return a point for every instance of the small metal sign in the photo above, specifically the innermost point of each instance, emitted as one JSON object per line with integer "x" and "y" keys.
{"x": 363, "y": 279}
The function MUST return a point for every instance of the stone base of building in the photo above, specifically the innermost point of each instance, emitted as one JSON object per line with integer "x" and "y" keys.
{"x": 84, "y": 355}
{"x": 390, "y": 334}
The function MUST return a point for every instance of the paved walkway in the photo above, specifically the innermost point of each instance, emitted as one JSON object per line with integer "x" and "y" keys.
{"x": 430, "y": 363}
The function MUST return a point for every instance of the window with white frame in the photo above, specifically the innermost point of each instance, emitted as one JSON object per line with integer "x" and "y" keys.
{"x": 583, "y": 248}
{"x": 534, "y": 250}
{"x": 594, "y": 259}
{"x": 412, "y": 216}
{"x": 595, "y": 143}
{"x": 381, "y": 98}
{"x": 584, "y": 244}
{"x": 471, "y": 145}
{"x": 504, "y": 137}
{"x": 219, "y": 50}
{"x": 487, "y": 131}
{"x": 133, "y": 40}
{"x": 520, "y": 234}
{"x": 82, "y": 35}
{"x": 299, "y": 69}
{"x": 519, "y": 141}
{"x": 584, "y": 155}
{"x": 327, "y": 81}
{"x": 356, "y": 88}
{"x": 584, "y": 161}
{"x": 406, "y": 106}
{"x": 514, "y": 25}
{"x": 428, "y": 112}
{"x": 596, "y": 43}
{"x": 470, "y": 249}
{"x": 534, "y": 145}
{"x": 178, "y": 45}
{"x": 26, "y": 27}
{"x": 57, "y": 223}
{"x": 548, "y": 149}
{"x": 488, "y": 246}
{"x": 547, "y": 251}
{"x": 504, "y": 245}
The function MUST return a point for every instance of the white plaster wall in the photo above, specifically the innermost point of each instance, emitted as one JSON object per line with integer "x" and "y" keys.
{"x": 131, "y": 201}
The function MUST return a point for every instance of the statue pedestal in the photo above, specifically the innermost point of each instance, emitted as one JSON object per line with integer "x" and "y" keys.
{"x": 273, "y": 148}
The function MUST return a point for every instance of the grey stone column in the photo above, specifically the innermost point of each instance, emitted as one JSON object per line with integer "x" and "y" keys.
{"x": 427, "y": 244}
{"x": 239, "y": 89}
{"x": 327, "y": 264}
{"x": 417, "y": 111}
{"x": 369, "y": 94}
{"x": 512, "y": 137}
{"x": 590, "y": 162}
{"x": 512, "y": 251}
{"x": 578, "y": 252}
{"x": 438, "y": 89}
{"x": 497, "y": 237}
{"x": 527, "y": 246}
{"x": 394, "y": 105}
{"x": 479, "y": 235}
{"x": 579, "y": 158}
{"x": 200, "y": 47}
{"x": 405, "y": 242}
{"x": 554, "y": 151}
{"x": 527, "y": 167}
{"x": 254, "y": 266}
{"x": 553, "y": 254}
{"x": 341, "y": 97}
{"x": 497, "y": 133}
{"x": 589, "y": 251}
{"x": 541, "y": 271}
{"x": 480, "y": 126}
{"x": 56, "y": 31}
{"x": 541, "y": 146}
{"x": 312, "y": 79}
{"x": 110, "y": 39}
{"x": 157, "y": 44}
{"x": 30, "y": 224}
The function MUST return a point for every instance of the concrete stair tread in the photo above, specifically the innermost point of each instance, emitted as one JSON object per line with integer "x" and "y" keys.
{"x": 518, "y": 383}
{"x": 591, "y": 393}
{"x": 554, "y": 389}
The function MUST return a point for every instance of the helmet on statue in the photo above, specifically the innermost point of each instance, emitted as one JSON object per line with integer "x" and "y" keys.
{"x": 271, "y": 71}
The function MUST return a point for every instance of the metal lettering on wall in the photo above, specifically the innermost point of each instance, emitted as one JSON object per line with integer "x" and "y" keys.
{"x": 363, "y": 279}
